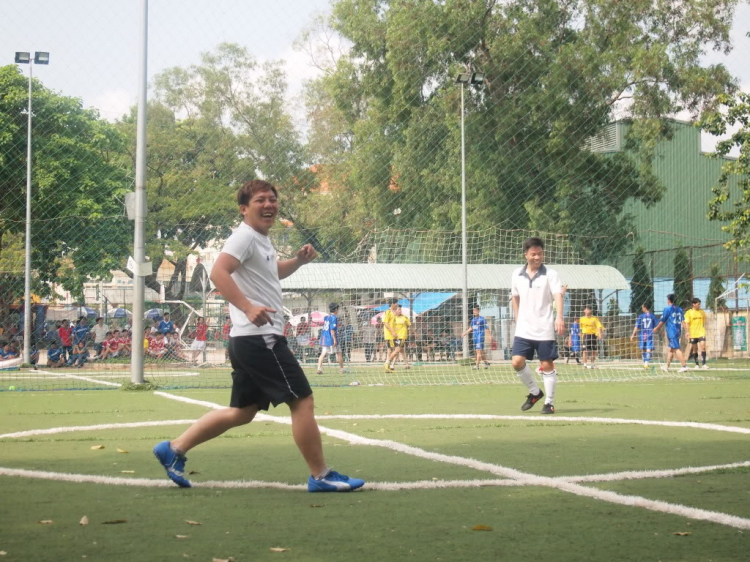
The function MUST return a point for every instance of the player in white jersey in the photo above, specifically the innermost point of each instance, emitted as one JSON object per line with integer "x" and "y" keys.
{"x": 264, "y": 370}
{"x": 533, "y": 288}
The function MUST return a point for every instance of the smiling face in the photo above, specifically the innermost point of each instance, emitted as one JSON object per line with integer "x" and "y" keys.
{"x": 260, "y": 212}
{"x": 534, "y": 257}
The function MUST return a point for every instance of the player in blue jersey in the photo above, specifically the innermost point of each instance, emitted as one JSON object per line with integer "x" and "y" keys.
{"x": 166, "y": 326}
{"x": 646, "y": 323}
{"x": 81, "y": 331}
{"x": 478, "y": 328}
{"x": 673, "y": 318}
{"x": 329, "y": 338}
{"x": 574, "y": 341}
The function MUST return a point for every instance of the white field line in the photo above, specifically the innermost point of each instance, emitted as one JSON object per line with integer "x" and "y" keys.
{"x": 77, "y": 377}
{"x": 519, "y": 478}
{"x": 694, "y": 425}
{"x": 642, "y": 474}
{"x": 526, "y": 478}
{"x": 73, "y": 428}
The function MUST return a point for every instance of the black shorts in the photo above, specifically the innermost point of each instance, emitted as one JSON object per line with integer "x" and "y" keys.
{"x": 589, "y": 342}
{"x": 263, "y": 376}
{"x": 393, "y": 344}
{"x": 546, "y": 350}
{"x": 696, "y": 340}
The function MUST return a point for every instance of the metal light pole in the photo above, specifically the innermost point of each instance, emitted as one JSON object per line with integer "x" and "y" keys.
{"x": 139, "y": 245}
{"x": 25, "y": 58}
{"x": 465, "y": 78}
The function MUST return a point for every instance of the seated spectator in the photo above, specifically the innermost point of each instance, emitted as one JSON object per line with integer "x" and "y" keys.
{"x": 5, "y": 352}
{"x": 126, "y": 343}
{"x": 172, "y": 346}
{"x": 147, "y": 337}
{"x": 113, "y": 346}
{"x": 55, "y": 356}
{"x": 156, "y": 348}
{"x": 79, "y": 356}
{"x": 103, "y": 348}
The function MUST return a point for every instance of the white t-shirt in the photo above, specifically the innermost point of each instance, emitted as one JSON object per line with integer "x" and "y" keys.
{"x": 258, "y": 279}
{"x": 99, "y": 332}
{"x": 535, "y": 321}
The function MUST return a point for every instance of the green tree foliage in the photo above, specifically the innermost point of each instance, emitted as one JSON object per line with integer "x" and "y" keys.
{"x": 732, "y": 194}
{"x": 385, "y": 124}
{"x": 683, "y": 279}
{"x": 211, "y": 127}
{"x": 78, "y": 227}
{"x": 715, "y": 290}
{"x": 641, "y": 285}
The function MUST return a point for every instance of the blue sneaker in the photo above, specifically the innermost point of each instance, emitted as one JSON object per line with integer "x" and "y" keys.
{"x": 333, "y": 482}
{"x": 173, "y": 463}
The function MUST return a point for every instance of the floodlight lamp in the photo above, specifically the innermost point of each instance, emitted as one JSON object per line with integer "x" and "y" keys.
{"x": 23, "y": 58}
{"x": 463, "y": 78}
{"x": 477, "y": 78}
{"x": 40, "y": 57}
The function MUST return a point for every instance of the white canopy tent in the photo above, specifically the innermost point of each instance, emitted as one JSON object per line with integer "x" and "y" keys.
{"x": 438, "y": 277}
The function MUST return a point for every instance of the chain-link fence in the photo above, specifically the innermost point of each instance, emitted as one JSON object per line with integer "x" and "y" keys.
{"x": 578, "y": 126}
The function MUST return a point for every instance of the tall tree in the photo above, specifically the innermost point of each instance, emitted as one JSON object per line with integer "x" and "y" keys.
{"x": 732, "y": 193}
{"x": 554, "y": 72}
{"x": 683, "y": 279}
{"x": 641, "y": 285}
{"x": 78, "y": 224}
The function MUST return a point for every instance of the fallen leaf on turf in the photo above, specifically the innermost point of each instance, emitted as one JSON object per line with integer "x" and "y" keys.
{"x": 481, "y": 528}
{"x": 230, "y": 559}
{"x": 3, "y": 553}
{"x": 84, "y": 521}
{"x": 316, "y": 505}
{"x": 127, "y": 471}
{"x": 97, "y": 447}
{"x": 682, "y": 534}
{"x": 45, "y": 521}
{"x": 193, "y": 472}
{"x": 121, "y": 450}
{"x": 191, "y": 522}
{"x": 114, "y": 522}
{"x": 181, "y": 536}
{"x": 278, "y": 549}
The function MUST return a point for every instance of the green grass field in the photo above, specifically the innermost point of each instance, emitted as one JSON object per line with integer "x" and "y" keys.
{"x": 433, "y": 464}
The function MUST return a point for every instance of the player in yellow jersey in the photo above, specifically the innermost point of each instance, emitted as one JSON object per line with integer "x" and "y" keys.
{"x": 592, "y": 330}
{"x": 389, "y": 332}
{"x": 403, "y": 325}
{"x": 695, "y": 321}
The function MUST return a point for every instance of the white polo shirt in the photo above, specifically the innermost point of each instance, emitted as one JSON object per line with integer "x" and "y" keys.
{"x": 258, "y": 279}
{"x": 535, "y": 320}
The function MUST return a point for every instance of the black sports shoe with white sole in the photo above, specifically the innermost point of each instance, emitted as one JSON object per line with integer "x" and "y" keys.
{"x": 548, "y": 409}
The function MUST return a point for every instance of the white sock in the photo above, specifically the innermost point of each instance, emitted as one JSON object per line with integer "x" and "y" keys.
{"x": 528, "y": 379}
{"x": 550, "y": 382}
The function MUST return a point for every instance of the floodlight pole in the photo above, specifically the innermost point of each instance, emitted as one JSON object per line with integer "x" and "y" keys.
{"x": 464, "y": 257}
{"x": 139, "y": 248}
{"x": 27, "y": 260}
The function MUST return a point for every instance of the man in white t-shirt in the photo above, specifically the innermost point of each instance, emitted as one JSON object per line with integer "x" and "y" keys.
{"x": 99, "y": 330}
{"x": 533, "y": 289}
{"x": 264, "y": 370}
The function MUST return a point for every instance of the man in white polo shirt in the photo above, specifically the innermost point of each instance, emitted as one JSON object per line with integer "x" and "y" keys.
{"x": 533, "y": 288}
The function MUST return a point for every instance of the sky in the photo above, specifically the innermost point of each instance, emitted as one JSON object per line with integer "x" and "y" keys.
{"x": 94, "y": 44}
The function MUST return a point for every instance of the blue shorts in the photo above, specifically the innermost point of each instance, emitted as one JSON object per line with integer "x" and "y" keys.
{"x": 646, "y": 344}
{"x": 576, "y": 346}
{"x": 674, "y": 340}
{"x": 546, "y": 350}
{"x": 479, "y": 344}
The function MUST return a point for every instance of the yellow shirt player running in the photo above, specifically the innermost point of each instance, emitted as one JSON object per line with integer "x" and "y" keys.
{"x": 695, "y": 321}
{"x": 592, "y": 330}
{"x": 389, "y": 332}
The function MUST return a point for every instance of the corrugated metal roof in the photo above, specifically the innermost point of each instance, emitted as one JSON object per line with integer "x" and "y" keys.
{"x": 436, "y": 277}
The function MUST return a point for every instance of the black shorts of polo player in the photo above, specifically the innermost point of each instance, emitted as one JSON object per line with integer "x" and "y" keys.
{"x": 546, "y": 350}
{"x": 263, "y": 376}
{"x": 589, "y": 342}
